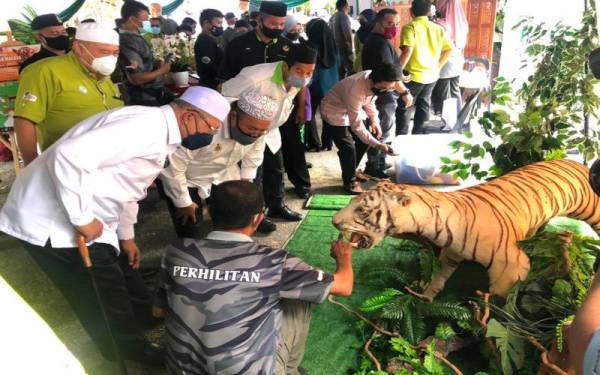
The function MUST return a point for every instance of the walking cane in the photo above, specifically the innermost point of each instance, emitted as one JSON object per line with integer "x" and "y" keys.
{"x": 84, "y": 252}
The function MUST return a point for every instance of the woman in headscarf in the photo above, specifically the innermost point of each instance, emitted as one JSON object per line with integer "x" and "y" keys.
{"x": 325, "y": 77}
{"x": 453, "y": 19}
{"x": 292, "y": 29}
{"x": 367, "y": 21}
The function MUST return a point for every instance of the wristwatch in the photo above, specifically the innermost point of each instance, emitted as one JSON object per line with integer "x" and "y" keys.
{"x": 405, "y": 92}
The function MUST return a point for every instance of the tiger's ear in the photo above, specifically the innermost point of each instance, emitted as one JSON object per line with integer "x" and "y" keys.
{"x": 402, "y": 198}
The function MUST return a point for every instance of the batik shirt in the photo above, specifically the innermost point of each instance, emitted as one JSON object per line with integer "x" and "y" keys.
{"x": 223, "y": 299}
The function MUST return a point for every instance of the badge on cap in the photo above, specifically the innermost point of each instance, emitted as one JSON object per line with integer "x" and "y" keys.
{"x": 30, "y": 97}
{"x": 206, "y": 60}
{"x": 285, "y": 48}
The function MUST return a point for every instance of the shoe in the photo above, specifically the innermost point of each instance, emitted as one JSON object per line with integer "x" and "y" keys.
{"x": 284, "y": 212}
{"x": 266, "y": 226}
{"x": 353, "y": 188}
{"x": 360, "y": 176}
{"x": 309, "y": 165}
{"x": 303, "y": 193}
{"x": 376, "y": 174}
{"x": 151, "y": 354}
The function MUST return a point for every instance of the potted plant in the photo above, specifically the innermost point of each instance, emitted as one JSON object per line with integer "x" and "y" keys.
{"x": 180, "y": 51}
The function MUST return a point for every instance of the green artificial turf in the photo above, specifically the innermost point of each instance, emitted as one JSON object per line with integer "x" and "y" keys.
{"x": 333, "y": 340}
{"x": 328, "y": 202}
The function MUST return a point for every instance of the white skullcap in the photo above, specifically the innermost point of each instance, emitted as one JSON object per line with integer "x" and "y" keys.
{"x": 96, "y": 32}
{"x": 257, "y": 105}
{"x": 208, "y": 100}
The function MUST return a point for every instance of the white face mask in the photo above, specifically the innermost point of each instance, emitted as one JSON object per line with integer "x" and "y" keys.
{"x": 103, "y": 65}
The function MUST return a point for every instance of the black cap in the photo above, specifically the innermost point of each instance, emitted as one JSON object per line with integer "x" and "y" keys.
{"x": 273, "y": 8}
{"x": 241, "y": 23}
{"x": 229, "y": 16}
{"x": 302, "y": 53}
{"x": 45, "y": 20}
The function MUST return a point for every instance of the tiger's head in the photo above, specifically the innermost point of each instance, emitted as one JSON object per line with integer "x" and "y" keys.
{"x": 374, "y": 214}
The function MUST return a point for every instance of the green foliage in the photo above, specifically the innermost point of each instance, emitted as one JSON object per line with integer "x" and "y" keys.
{"x": 554, "y": 100}
{"x": 510, "y": 346}
{"x": 559, "y": 331}
{"x": 410, "y": 357}
{"x": 21, "y": 29}
{"x": 444, "y": 331}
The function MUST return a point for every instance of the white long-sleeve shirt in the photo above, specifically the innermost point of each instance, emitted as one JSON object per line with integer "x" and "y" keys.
{"x": 99, "y": 169}
{"x": 267, "y": 79}
{"x": 213, "y": 164}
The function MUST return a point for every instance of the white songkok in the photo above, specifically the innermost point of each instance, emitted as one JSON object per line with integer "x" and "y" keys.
{"x": 208, "y": 100}
{"x": 257, "y": 105}
{"x": 96, "y": 32}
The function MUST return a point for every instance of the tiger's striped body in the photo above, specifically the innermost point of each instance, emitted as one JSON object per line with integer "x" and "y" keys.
{"x": 482, "y": 223}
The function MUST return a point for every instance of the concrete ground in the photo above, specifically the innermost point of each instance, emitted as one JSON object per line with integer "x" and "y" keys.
{"x": 153, "y": 231}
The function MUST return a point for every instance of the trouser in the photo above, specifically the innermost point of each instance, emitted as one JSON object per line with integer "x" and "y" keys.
{"x": 148, "y": 97}
{"x": 386, "y": 104}
{"x": 293, "y": 152}
{"x": 350, "y": 150}
{"x": 189, "y": 229}
{"x": 347, "y": 64}
{"x": 123, "y": 293}
{"x": 292, "y": 337}
{"x": 445, "y": 88}
{"x": 311, "y": 135}
{"x": 269, "y": 177}
{"x": 422, "y": 103}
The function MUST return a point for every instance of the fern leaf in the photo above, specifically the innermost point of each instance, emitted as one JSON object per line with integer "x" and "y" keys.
{"x": 380, "y": 300}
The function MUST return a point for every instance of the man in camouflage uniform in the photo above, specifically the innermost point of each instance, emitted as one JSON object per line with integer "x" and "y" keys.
{"x": 235, "y": 306}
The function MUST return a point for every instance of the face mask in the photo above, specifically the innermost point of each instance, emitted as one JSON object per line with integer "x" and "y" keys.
{"x": 295, "y": 81}
{"x": 103, "y": 65}
{"x": 60, "y": 43}
{"x": 390, "y": 32}
{"x": 155, "y": 30}
{"x": 270, "y": 33}
{"x": 216, "y": 31}
{"x": 196, "y": 141}
{"x": 292, "y": 36}
{"x": 239, "y": 136}
{"x": 146, "y": 27}
{"x": 378, "y": 91}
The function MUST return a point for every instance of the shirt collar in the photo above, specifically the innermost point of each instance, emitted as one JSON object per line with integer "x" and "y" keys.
{"x": 219, "y": 235}
{"x": 173, "y": 134}
{"x": 278, "y": 74}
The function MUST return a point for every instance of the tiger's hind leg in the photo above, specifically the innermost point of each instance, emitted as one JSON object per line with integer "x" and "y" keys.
{"x": 438, "y": 280}
{"x": 505, "y": 273}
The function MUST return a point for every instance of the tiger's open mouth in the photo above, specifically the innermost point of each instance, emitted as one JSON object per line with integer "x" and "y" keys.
{"x": 357, "y": 239}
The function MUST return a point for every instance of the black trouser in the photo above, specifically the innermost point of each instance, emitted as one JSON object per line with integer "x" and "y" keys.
{"x": 422, "y": 103}
{"x": 386, "y": 104}
{"x": 350, "y": 150}
{"x": 269, "y": 177}
{"x": 189, "y": 229}
{"x": 292, "y": 150}
{"x": 311, "y": 135}
{"x": 445, "y": 88}
{"x": 124, "y": 295}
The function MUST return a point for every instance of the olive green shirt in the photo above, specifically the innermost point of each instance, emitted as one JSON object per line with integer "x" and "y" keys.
{"x": 58, "y": 92}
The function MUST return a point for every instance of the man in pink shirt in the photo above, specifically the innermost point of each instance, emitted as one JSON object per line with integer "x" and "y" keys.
{"x": 347, "y": 105}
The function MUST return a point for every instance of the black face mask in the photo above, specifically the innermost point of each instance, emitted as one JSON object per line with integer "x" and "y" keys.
{"x": 292, "y": 36}
{"x": 60, "y": 43}
{"x": 270, "y": 33}
{"x": 238, "y": 135}
{"x": 216, "y": 31}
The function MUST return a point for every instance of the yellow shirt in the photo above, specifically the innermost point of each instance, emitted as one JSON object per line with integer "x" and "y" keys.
{"x": 58, "y": 92}
{"x": 428, "y": 41}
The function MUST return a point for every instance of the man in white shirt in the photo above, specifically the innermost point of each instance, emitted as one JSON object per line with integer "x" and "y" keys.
{"x": 283, "y": 81}
{"x": 235, "y": 153}
{"x": 88, "y": 184}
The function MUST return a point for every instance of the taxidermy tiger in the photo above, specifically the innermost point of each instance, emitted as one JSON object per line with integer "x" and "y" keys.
{"x": 482, "y": 223}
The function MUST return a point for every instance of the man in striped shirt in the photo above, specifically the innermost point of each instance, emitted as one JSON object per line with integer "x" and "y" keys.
{"x": 234, "y": 306}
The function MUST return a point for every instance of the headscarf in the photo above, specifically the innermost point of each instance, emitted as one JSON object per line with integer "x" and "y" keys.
{"x": 321, "y": 38}
{"x": 363, "y": 32}
{"x": 290, "y": 22}
{"x": 454, "y": 20}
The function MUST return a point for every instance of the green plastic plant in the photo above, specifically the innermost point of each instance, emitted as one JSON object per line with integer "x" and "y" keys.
{"x": 539, "y": 121}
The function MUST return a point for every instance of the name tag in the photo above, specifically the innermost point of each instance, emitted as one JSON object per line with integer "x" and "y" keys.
{"x": 216, "y": 275}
